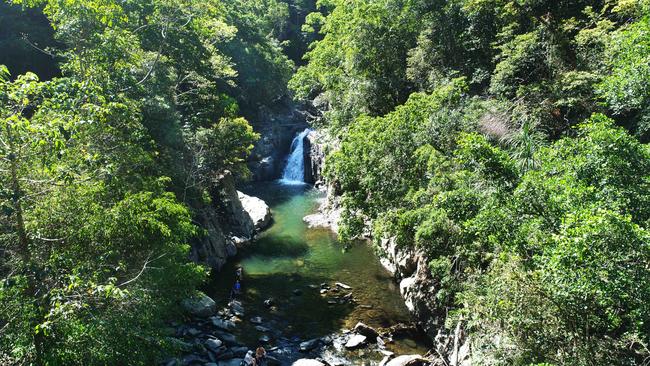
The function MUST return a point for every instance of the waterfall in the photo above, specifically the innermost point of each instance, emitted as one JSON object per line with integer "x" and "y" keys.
{"x": 294, "y": 171}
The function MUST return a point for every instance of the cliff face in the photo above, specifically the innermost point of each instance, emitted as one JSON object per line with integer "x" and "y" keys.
{"x": 230, "y": 221}
{"x": 276, "y": 132}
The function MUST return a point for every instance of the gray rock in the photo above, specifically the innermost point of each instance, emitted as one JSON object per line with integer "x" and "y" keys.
{"x": 227, "y": 355}
{"x": 408, "y": 360}
{"x": 200, "y": 305}
{"x": 258, "y": 211}
{"x": 343, "y": 286}
{"x": 213, "y": 344}
{"x": 264, "y": 338}
{"x": 237, "y": 308}
{"x": 356, "y": 341}
{"x": 226, "y": 337}
{"x": 239, "y": 351}
{"x": 256, "y": 320}
{"x": 309, "y": 345}
{"x": 307, "y": 362}
{"x": 367, "y": 331}
{"x": 231, "y": 362}
{"x": 189, "y": 360}
{"x": 222, "y": 324}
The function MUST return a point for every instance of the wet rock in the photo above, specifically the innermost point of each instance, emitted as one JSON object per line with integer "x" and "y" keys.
{"x": 307, "y": 362}
{"x": 269, "y": 302}
{"x": 239, "y": 351}
{"x": 200, "y": 305}
{"x": 408, "y": 360}
{"x": 264, "y": 339}
{"x": 385, "y": 360}
{"x": 193, "y": 332}
{"x": 213, "y": 344}
{"x": 226, "y": 355}
{"x": 222, "y": 324}
{"x": 237, "y": 308}
{"x": 210, "y": 364}
{"x": 366, "y": 330}
{"x": 323, "y": 291}
{"x": 309, "y": 345}
{"x": 190, "y": 360}
{"x": 262, "y": 329}
{"x": 356, "y": 341}
{"x": 256, "y": 320}
{"x": 272, "y": 361}
{"x": 297, "y": 292}
{"x": 231, "y": 362}
{"x": 343, "y": 286}
{"x": 226, "y": 337}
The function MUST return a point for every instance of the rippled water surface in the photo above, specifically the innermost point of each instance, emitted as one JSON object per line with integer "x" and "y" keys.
{"x": 289, "y": 256}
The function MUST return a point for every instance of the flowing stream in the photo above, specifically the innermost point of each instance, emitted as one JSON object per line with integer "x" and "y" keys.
{"x": 289, "y": 262}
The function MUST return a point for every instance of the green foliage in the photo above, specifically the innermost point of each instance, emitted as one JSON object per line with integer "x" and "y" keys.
{"x": 625, "y": 88}
{"x": 94, "y": 238}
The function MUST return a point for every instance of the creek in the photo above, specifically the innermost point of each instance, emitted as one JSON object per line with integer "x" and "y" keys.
{"x": 291, "y": 263}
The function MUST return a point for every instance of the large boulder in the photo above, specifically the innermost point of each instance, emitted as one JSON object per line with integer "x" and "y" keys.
{"x": 200, "y": 305}
{"x": 408, "y": 360}
{"x": 366, "y": 330}
{"x": 356, "y": 341}
{"x": 258, "y": 211}
{"x": 307, "y": 362}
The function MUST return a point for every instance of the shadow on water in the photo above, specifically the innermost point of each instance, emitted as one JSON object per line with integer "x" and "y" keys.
{"x": 289, "y": 262}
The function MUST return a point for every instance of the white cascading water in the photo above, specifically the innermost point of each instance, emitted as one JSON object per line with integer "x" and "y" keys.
{"x": 294, "y": 171}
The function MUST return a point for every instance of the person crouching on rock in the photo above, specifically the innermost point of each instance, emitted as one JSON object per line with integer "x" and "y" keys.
{"x": 260, "y": 356}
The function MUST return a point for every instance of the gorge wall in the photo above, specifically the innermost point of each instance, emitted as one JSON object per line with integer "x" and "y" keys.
{"x": 231, "y": 220}
{"x": 409, "y": 267}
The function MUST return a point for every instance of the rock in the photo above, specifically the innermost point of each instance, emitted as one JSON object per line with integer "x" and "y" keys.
{"x": 262, "y": 329}
{"x": 309, "y": 345}
{"x": 239, "y": 351}
{"x": 264, "y": 338}
{"x": 222, "y": 324}
{"x": 307, "y": 362}
{"x": 356, "y": 341}
{"x": 213, "y": 344}
{"x": 200, "y": 305}
{"x": 317, "y": 220}
{"x": 237, "y": 308}
{"x": 226, "y": 355}
{"x": 256, "y": 320}
{"x": 385, "y": 360}
{"x": 272, "y": 361}
{"x": 297, "y": 292}
{"x": 231, "y": 362}
{"x": 258, "y": 210}
{"x": 226, "y": 337}
{"x": 408, "y": 360}
{"x": 193, "y": 332}
{"x": 343, "y": 286}
{"x": 193, "y": 360}
{"x": 269, "y": 302}
{"x": 367, "y": 331}
{"x": 210, "y": 364}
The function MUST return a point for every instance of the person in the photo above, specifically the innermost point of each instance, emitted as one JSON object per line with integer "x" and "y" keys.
{"x": 260, "y": 356}
{"x": 239, "y": 273}
{"x": 236, "y": 290}
{"x": 249, "y": 360}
